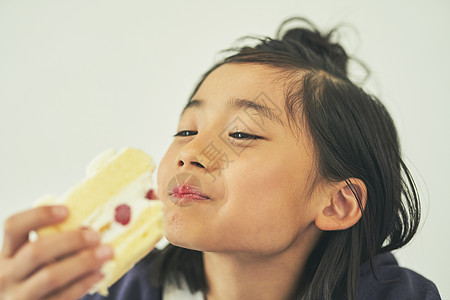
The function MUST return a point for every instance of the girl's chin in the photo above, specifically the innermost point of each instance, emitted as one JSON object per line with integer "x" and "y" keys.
{"x": 197, "y": 243}
{"x": 182, "y": 243}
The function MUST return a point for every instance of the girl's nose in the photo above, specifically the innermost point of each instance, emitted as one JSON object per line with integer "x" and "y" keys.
{"x": 191, "y": 155}
{"x": 198, "y": 155}
{"x": 194, "y": 163}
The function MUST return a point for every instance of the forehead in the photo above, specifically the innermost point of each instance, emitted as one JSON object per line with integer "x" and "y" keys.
{"x": 247, "y": 81}
{"x": 243, "y": 86}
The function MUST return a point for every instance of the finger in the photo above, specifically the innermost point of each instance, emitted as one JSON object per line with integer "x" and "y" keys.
{"x": 18, "y": 226}
{"x": 77, "y": 289}
{"x": 57, "y": 275}
{"x": 46, "y": 249}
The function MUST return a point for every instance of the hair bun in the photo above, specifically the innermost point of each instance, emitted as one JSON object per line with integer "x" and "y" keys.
{"x": 315, "y": 41}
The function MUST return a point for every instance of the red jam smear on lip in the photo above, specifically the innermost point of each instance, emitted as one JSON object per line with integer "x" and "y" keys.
{"x": 185, "y": 190}
{"x": 151, "y": 195}
{"x": 123, "y": 214}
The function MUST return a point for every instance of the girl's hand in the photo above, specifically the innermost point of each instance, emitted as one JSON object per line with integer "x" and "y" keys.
{"x": 63, "y": 266}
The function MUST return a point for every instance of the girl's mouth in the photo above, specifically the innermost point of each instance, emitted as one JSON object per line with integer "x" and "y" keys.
{"x": 185, "y": 189}
{"x": 185, "y": 195}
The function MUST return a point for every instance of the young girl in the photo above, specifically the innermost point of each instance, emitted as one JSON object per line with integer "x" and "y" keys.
{"x": 284, "y": 181}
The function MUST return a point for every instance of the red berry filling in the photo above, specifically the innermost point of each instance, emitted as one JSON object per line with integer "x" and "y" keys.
{"x": 151, "y": 195}
{"x": 123, "y": 214}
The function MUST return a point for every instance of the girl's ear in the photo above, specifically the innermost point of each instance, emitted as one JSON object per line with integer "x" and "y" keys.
{"x": 341, "y": 210}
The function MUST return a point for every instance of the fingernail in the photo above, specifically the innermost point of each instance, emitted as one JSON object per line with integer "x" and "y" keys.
{"x": 104, "y": 252}
{"x": 91, "y": 237}
{"x": 59, "y": 211}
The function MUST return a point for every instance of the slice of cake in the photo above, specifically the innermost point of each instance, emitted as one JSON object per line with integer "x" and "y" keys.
{"x": 117, "y": 199}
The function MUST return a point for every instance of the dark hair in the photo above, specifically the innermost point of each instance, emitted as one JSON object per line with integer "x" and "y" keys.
{"x": 354, "y": 136}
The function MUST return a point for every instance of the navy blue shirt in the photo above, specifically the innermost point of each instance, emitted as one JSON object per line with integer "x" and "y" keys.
{"x": 395, "y": 283}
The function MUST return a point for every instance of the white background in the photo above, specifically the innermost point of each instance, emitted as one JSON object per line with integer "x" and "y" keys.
{"x": 78, "y": 77}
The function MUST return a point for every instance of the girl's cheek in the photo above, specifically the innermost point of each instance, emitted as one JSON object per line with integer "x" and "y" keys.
{"x": 163, "y": 170}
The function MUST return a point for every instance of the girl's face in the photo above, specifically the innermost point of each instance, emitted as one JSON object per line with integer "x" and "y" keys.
{"x": 236, "y": 178}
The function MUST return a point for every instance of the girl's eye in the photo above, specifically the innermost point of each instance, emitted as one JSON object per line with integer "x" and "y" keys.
{"x": 186, "y": 133}
{"x": 244, "y": 136}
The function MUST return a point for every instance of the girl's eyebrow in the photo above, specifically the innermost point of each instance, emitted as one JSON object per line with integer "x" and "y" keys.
{"x": 192, "y": 103}
{"x": 260, "y": 110}
{"x": 242, "y": 104}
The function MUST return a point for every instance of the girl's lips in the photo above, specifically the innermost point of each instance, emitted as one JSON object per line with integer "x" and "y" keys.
{"x": 185, "y": 194}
